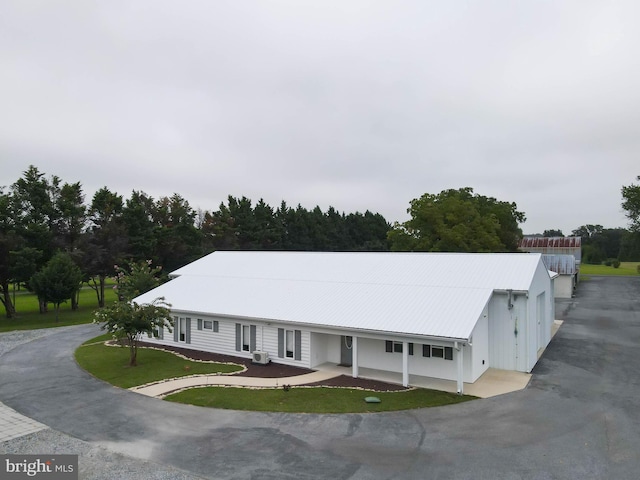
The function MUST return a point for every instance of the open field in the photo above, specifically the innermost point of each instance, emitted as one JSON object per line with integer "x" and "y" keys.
{"x": 28, "y": 316}
{"x": 625, "y": 268}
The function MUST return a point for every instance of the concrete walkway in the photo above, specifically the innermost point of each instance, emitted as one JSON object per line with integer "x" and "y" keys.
{"x": 162, "y": 389}
{"x": 492, "y": 383}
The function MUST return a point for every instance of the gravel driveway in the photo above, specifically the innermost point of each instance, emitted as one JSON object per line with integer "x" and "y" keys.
{"x": 579, "y": 418}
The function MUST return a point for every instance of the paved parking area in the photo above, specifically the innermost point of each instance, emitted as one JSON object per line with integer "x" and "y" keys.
{"x": 578, "y": 418}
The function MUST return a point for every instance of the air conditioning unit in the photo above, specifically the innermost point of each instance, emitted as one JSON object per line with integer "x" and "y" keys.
{"x": 261, "y": 357}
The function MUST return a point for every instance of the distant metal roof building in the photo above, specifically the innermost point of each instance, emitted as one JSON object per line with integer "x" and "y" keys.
{"x": 553, "y": 245}
{"x": 361, "y": 291}
{"x": 562, "y": 264}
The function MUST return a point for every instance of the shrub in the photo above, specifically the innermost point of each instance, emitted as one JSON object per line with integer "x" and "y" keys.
{"x": 608, "y": 262}
{"x": 638, "y": 268}
{"x": 615, "y": 263}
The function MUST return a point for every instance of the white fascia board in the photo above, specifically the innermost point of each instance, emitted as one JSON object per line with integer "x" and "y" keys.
{"x": 317, "y": 328}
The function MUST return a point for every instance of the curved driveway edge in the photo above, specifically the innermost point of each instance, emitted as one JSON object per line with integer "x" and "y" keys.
{"x": 578, "y": 418}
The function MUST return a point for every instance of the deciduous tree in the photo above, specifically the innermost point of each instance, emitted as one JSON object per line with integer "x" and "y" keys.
{"x": 129, "y": 320}
{"x": 631, "y": 203}
{"x": 458, "y": 221}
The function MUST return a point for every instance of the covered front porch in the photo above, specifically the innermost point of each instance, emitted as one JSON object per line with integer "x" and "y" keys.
{"x": 492, "y": 382}
{"x": 402, "y": 361}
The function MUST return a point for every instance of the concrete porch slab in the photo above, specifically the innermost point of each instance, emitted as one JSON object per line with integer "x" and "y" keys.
{"x": 493, "y": 382}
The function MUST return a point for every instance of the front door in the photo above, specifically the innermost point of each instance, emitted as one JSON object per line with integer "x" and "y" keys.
{"x": 346, "y": 352}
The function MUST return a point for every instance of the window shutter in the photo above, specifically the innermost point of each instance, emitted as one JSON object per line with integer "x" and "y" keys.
{"x": 188, "y": 332}
{"x": 252, "y": 338}
{"x": 161, "y": 332}
{"x": 216, "y": 326}
{"x": 298, "y": 345}
{"x": 176, "y": 328}
{"x": 281, "y": 342}
{"x": 448, "y": 353}
{"x": 388, "y": 346}
{"x": 410, "y": 348}
{"x": 426, "y": 350}
{"x": 199, "y": 324}
{"x": 238, "y": 337}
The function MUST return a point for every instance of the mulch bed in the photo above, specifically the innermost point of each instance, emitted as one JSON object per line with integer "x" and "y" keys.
{"x": 276, "y": 370}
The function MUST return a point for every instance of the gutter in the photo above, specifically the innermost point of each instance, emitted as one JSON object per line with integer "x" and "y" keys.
{"x": 328, "y": 328}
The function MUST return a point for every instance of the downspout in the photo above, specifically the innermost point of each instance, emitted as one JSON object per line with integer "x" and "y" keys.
{"x": 528, "y": 337}
{"x": 405, "y": 364}
{"x": 459, "y": 356}
{"x": 262, "y": 338}
{"x": 354, "y": 357}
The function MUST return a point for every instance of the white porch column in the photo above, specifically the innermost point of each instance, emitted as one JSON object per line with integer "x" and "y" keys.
{"x": 460, "y": 369}
{"x": 405, "y": 364}
{"x": 354, "y": 357}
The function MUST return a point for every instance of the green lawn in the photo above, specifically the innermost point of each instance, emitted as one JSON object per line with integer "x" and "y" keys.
{"x": 111, "y": 364}
{"x": 625, "y": 268}
{"x": 314, "y": 400}
{"x": 28, "y": 316}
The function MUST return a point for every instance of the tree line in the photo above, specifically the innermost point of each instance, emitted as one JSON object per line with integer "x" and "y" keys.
{"x": 48, "y": 233}
{"x": 601, "y": 244}
{"x": 41, "y": 216}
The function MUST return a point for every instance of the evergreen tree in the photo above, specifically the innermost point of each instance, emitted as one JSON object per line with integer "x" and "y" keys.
{"x": 58, "y": 281}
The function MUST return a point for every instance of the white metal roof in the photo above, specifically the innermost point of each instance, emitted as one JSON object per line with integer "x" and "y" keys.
{"x": 562, "y": 264}
{"x": 433, "y": 294}
{"x": 479, "y": 270}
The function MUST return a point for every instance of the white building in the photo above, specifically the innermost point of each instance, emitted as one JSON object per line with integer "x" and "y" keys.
{"x": 567, "y": 270}
{"x": 441, "y": 315}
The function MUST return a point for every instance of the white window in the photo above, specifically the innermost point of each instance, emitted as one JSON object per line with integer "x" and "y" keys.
{"x": 246, "y": 337}
{"x": 208, "y": 325}
{"x": 289, "y": 344}
{"x": 183, "y": 330}
{"x": 396, "y": 347}
{"x": 436, "y": 351}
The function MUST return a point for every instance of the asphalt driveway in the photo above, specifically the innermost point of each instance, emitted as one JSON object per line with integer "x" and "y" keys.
{"x": 579, "y": 418}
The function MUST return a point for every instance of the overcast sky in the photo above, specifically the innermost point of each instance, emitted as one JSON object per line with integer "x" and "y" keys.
{"x": 354, "y": 104}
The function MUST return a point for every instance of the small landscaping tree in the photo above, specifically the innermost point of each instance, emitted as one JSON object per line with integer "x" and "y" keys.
{"x": 129, "y": 320}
